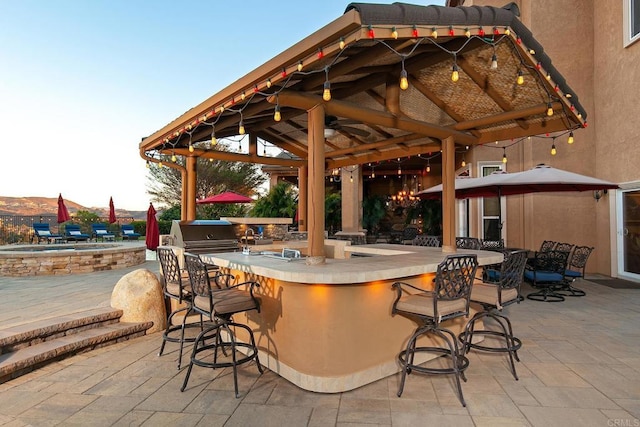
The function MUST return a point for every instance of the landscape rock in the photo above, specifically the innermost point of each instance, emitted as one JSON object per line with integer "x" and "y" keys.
{"x": 139, "y": 295}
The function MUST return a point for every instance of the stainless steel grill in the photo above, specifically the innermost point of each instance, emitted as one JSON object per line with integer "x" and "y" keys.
{"x": 204, "y": 236}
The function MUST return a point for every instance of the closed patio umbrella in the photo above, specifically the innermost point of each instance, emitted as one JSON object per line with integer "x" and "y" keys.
{"x": 152, "y": 238}
{"x": 63, "y": 213}
{"x": 112, "y": 211}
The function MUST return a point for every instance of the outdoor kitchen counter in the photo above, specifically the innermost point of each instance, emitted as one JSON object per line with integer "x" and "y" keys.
{"x": 329, "y": 328}
{"x": 381, "y": 262}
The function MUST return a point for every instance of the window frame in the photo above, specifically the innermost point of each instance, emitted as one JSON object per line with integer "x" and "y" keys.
{"x": 630, "y": 8}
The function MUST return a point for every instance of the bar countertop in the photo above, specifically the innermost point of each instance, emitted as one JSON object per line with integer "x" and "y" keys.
{"x": 376, "y": 262}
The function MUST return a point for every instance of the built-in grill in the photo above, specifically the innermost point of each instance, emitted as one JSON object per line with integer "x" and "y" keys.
{"x": 204, "y": 236}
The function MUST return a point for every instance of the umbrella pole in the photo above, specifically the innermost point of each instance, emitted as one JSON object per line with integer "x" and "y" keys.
{"x": 499, "y": 213}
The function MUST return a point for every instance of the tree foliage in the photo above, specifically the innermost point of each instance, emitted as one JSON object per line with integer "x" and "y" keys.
{"x": 164, "y": 184}
{"x": 281, "y": 202}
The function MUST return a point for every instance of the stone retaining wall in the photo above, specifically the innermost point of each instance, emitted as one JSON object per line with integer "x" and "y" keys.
{"x": 59, "y": 262}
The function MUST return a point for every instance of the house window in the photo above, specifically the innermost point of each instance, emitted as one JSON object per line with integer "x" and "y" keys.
{"x": 490, "y": 208}
{"x": 631, "y": 21}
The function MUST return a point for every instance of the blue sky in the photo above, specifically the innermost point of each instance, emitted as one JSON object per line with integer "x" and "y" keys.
{"x": 82, "y": 81}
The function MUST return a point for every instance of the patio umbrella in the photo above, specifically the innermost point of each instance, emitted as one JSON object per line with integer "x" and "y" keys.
{"x": 540, "y": 179}
{"x": 152, "y": 238}
{"x": 226, "y": 197}
{"x": 112, "y": 211}
{"x": 63, "y": 213}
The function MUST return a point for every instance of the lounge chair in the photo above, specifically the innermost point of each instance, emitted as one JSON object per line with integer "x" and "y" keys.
{"x": 43, "y": 233}
{"x": 100, "y": 232}
{"x": 129, "y": 233}
{"x": 73, "y": 232}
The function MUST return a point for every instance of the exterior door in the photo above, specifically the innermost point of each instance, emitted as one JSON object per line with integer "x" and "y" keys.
{"x": 490, "y": 209}
{"x": 629, "y": 236}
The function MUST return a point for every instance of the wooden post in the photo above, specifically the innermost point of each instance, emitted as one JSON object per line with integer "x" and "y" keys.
{"x": 303, "y": 182}
{"x": 316, "y": 185}
{"x": 183, "y": 206}
{"x": 192, "y": 177}
{"x": 448, "y": 195}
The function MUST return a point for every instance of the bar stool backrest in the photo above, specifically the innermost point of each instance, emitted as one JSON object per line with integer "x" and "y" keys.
{"x": 579, "y": 258}
{"x": 547, "y": 245}
{"x": 454, "y": 277}
{"x": 468, "y": 243}
{"x": 171, "y": 273}
{"x": 425, "y": 240}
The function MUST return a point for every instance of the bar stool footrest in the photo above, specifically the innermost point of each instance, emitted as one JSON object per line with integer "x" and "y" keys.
{"x": 463, "y": 361}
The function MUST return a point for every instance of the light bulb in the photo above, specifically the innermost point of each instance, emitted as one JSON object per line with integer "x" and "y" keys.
{"x": 148, "y": 165}
{"x": 351, "y": 178}
{"x": 173, "y": 158}
{"x": 300, "y": 66}
{"x": 464, "y": 163}
{"x": 276, "y": 115}
{"x": 241, "y": 130}
{"x": 326, "y": 93}
{"x": 520, "y": 79}
{"x": 507, "y": 31}
{"x": 570, "y": 140}
{"x": 341, "y": 44}
{"x": 243, "y": 96}
{"x": 160, "y": 164}
{"x": 214, "y": 140}
{"x": 434, "y": 33}
{"x": 394, "y": 33}
{"x": 494, "y": 62}
{"x": 372, "y": 34}
{"x": 549, "y": 110}
{"x": 467, "y": 33}
{"x": 373, "y": 174}
{"x": 404, "y": 81}
{"x": 504, "y": 158}
{"x": 455, "y": 75}
{"x": 553, "y": 150}
{"x": 191, "y": 149}
{"x": 428, "y": 168}
{"x": 548, "y": 76}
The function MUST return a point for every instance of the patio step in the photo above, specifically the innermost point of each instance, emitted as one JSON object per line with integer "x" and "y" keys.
{"x": 28, "y": 346}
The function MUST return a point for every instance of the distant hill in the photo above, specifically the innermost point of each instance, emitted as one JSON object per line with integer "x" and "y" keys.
{"x": 31, "y": 206}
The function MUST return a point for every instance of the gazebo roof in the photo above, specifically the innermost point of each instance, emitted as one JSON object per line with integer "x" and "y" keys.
{"x": 360, "y": 57}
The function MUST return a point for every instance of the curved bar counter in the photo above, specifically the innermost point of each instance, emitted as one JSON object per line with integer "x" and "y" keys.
{"x": 328, "y": 328}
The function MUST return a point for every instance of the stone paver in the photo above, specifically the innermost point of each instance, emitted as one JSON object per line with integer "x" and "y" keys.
{"x": 580, "y": 365}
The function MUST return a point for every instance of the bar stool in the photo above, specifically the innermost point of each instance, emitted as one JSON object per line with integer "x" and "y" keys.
{"x": 497, "y": 289}
{"x": 220, "y": 302}
{"x": 448, "y": 300}
{"x": 175, "y": 288}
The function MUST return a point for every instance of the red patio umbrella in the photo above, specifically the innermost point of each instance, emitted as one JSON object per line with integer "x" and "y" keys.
{"x": 112, "y": 211}
{"x": 153, "y": 231}
{"x": 63, "y": 213}
{"x": 226, "y": 197}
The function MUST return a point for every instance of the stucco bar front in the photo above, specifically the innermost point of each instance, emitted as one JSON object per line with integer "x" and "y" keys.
{"x": 328, "y": 328}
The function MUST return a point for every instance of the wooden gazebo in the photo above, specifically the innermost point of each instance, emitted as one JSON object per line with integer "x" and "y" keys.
{"x": 380, "y": 82}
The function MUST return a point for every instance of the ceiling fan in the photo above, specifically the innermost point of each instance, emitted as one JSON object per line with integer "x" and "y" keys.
{"x": 333, "y": 124}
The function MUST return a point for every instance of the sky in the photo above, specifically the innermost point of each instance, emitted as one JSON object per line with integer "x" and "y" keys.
{"x": 83, "y": 81}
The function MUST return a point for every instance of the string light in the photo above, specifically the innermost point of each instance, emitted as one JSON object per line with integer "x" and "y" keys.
{"x": 570, "y": 139}
{"x": 341, "y": 43}
{"x": 414, "y": 32}
{"x": 467, "y": 33}
{"x": 326, "y": 93}
{"x": 520, "y": 79}
{"x": 553, "y": 149}
{"x": 504, "y": 155}
{"x": 214, "y": 141}
{"x": 494, "y": 62}
{"x": 455, "y": 75}
{"x": 300, "y": 66}
{"x": 404, "y": 80}
{"x": 191, "y": 149}
{"x": 549, "y": 109}
{"x": 276, "y": 114}
{"x": 394, "y": 33}
{"x": 434, "y": 32}
{"x": 173, "y": 157}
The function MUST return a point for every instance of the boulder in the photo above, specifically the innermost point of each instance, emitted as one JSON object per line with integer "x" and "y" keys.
{"x": 139, "y": 295}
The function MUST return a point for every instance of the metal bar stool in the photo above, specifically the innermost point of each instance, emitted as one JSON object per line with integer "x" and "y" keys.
{"x": 448, "y": 300}
{"x": 220, "y": 302}
{"x": 497, "y": 289}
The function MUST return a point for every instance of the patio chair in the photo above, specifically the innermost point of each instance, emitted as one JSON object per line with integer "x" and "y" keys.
{"x": 492, "y": 245}
{"x": 497, "y": 289}
{"x": 100, "y": 232}
{"x": 468, "y": 243}
{"x": 424, "y": 240}
{"x": 129, "y": 233}
{"x": 176, "y": 287}
{"x": 42, "y": 232}
{"x": 546, "y": 273}
{"x": 547, "y": 245}
{"x": 74, "y": 233}
{"x": 408, "y": 234}
{"x": 448, "y": 300}
{"x": 220, "y": 305}
{"x": 575, "y": 270}
{"x": 564, "y": 247}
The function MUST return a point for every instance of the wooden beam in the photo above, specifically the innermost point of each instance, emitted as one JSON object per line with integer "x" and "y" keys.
{"x": 367, "y": 115}
{"x": 506, "y": 116}
{"x": 380, "y": 156}
{"x": 374, "y": 145}
{"x": 236, "y": 157}
{"x": 546, "y": 126}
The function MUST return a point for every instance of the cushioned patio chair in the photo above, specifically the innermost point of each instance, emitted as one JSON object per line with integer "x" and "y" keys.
{"x": 129, "y": 233}
{"x": 100, "y": 232}
{"x": 575, "y": 270}
{"x": 220, "y": 302}
{"x": 42, "y": 232}
{"x": 498, "y": 289}
{"x": 468, "y": 243}
{"x": 425, "y": 240}
{"x": 546, "y": 273}
{"x": 73, "y": 232}
{"x": 448, "y": 300}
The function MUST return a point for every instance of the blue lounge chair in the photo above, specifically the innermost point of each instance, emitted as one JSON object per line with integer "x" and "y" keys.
{"x": 129, "y": 233}
{"x": 100, "y": 232}
{"x": 72, "y": 232}
{"x": 43, "y": 233}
